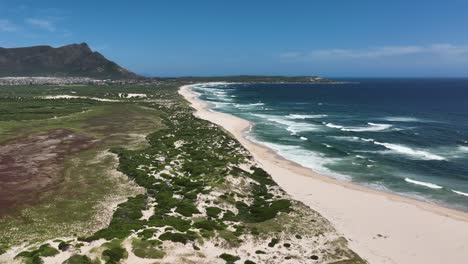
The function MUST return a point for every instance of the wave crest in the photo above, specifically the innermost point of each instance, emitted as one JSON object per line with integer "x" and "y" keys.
{"x": 296, "y": 116}
{"x": 426, "y": 184}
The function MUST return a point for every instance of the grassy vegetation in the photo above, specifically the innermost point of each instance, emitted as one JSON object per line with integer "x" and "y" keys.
{"x": 92, "y": 170}
{"x": 147, "y": 248}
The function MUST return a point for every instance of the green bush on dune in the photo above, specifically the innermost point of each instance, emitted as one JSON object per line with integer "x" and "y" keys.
{"x": 229, "y": 258}
{"x": 78, "y": 259}
{"x": 34, "y": 257}
{"x": 114, "y": 255}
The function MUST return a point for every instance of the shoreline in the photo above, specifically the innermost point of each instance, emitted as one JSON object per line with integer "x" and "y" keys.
{"x": 397, "y": 229}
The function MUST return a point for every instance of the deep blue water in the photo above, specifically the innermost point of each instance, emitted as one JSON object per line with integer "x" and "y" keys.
{"x": 408, "y": 136}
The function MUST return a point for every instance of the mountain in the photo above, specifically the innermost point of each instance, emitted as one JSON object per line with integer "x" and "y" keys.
{"x": 75, "y": 60}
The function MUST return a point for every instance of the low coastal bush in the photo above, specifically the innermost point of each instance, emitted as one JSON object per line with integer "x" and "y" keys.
{"x": 229, "y": 258}
{"x": 34, "y": 256}
{"x": 177, "y": 237}
{"x": 78, "y": 259}
{"x": 63, "y": 246}
{"x": 230, "y": 237}
{"x": 177, "y": 223}
{"x": 147, "y": 233}
{"x": 187, "y": 209}
{"x": 209, "y": 225}
{"x": 125, "y": 219}
{"x": 114, "y": 255}
{"x": 213, "y": 211}
{"x": 273, "y": 242}
{"x": 147, "y": 249}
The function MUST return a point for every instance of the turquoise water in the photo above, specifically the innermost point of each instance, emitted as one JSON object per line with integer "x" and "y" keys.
{"x": 408, "y": 136}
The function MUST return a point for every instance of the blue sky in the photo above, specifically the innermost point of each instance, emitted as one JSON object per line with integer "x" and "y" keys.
{"x": 298, "y": 37}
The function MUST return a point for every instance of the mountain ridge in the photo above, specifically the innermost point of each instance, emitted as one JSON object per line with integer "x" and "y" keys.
{"x": 73, "y": 60}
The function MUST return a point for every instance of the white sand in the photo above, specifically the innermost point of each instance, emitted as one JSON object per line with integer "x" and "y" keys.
{"x": 381, "y": 227}
{"x": 132, "y": 95}
{"x": 65, "y": 96}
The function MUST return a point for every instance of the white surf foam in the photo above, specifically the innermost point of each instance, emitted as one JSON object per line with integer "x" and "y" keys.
{"x": 402, "y": 119}
{"x": 426, "y": 184}
{"x": 303, "y": 138}
{"x": 346, "y": 138}
{"x": 421, "y": 154}
{"x": 294, "y": 116}
{"x": 372, "y": 127}
{"x": 461, "y": 193}
{"x": 292, "y": 126}
{"x": 253, "y": 105}
{"x": 306, "y": 158}
{"x": 463, "y": 149}
{"x": 333, "y": 125}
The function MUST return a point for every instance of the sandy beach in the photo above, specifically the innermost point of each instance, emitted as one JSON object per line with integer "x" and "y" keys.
{"x": 381, "y": 227}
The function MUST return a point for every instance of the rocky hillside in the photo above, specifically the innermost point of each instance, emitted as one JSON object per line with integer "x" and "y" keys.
{"x": 76, "y": 60}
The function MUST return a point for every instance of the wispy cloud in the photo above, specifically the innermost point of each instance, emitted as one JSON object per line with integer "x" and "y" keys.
{"x": 7, "y": 26}
{"x": 45, "y": 24}
{"x": 379, "y": 52}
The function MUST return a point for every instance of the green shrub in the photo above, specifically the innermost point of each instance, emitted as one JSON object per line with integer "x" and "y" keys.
{"x": 63, "y": 246}
{"x": 230, "y": 237}
{"x": 177, "y": 237}
{"x": 229, "y": 258}
{"x": 125, "y": 219}
{"x": 173, "y": 221}
{"x": 114, "y": 255}
{"x": 273, "y": 242}
{"x": 147, "y": 248}
{"x": 208, "y": 225}
{"x": 147, "y": 233}
{"x": 78, "y": 259}
{"x": 187, "y": 209}
{"x": 34, "y": 256}
{"x": 213, "y": 211}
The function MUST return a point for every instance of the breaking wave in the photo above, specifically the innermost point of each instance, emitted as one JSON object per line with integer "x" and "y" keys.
{"x": 291, "y": 126}
{"x": 421, "y": 154}
{"x": 461, "y": 193}
{"x": 372, "y": 127}
{"x": 253, "y": 105}
{"x": 306, "y": 158}
{"x": 402, "y": 119}
{"x": 294, "y": 116}
{"x": 426, "y": 184}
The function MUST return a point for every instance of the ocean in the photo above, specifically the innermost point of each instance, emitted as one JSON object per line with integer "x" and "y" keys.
{"x": 406, "y": 136}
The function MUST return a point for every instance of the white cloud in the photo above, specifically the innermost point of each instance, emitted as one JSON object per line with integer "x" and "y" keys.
{"x": 42, "y": 24}
{"x": 7, "y": 26}
{"x": 446, "y": 50}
